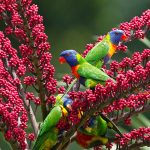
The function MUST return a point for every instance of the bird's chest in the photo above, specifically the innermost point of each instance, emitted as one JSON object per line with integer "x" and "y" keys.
{"x": 112, "y": 49}
{"x": 83, "y": 139}
{"x": 75, "y": 71}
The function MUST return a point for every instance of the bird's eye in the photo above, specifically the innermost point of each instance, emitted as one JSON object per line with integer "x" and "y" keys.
{"x": 67, "y": 54}
{"x": 116, "y": 33}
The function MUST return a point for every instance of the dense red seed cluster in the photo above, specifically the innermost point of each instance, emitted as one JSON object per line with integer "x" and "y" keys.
{"x": 30, "y": 63}
{"x": 67, "y": 79}
{"x": 51, "y": 100}
{"x": 12, "y": 111}
{"x": 132, "y": 102}
{"x": 29, "y": 80}
{"x": 136, "y": 136}
{"x": 61, "y": 90}
{"x": 26, "y": 24}
{"x": 31, "y": 137}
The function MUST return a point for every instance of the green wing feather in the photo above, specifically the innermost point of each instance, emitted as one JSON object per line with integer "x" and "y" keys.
{"x": 98, "y": 128}
{"x": 51, "y": 120}
{"x": 47, "y": 140}
{"x": 97, "y": 53}
{"x": 89, "y": 83}
{"x": 48, "y": 132}
{"x": 102, "y": 126}
{"x": 88, "y": 71}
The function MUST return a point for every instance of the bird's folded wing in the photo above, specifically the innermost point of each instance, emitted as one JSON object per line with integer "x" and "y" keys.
{"x": 97, "y": 53}
{"x": 51, "y": 120}
{"x": 90, "y": 72}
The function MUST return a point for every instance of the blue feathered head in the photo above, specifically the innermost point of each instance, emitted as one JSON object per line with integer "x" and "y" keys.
{"x": 116, "y": 36}
{"x": 68, "y": 56}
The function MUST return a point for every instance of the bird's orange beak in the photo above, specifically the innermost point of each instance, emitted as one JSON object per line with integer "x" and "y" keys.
{"x": 62, "y": 60}
{"x": 123, "y": 37}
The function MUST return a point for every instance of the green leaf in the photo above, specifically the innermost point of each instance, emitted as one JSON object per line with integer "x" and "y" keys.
{"x": 145, "y": 41}
{"x": 140, "y": 120}
{"x": 136, "y": 123}
{"x": 144, "y": 120}
{"x": 4, "y": 145}
{"x": 144, "y": 148}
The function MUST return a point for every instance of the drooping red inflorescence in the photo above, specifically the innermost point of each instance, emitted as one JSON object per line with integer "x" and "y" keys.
{"x": 131, "y": 74}
{"x": 29, "y": 80}
{"x": 12, "y": 111}
{"x": 51, "y": 100}
{"x": 61, "y": 90}
{"x": 26, "y": 24}
{"x": 133, "y": 101}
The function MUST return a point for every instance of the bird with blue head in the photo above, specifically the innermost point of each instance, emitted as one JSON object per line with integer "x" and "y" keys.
{"x": 69, "y": 56}
{"x": 101, "y": 53}
{"x": 87, "y": 74}
{"x": 93, "y": 132}
{"x": 86, "y": 70}
{"x": 49, "y": 133}
{"x": 116, "y": 36}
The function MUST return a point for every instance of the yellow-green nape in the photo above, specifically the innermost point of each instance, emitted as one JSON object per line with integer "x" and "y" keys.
{"x": 88, "y": 129}
{"x": 107, "y": 37}
{"x": 78, "y": 56}
{"x": 59, "y": 99}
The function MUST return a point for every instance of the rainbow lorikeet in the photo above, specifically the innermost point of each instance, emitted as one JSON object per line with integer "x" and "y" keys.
{"x": 94, "y": 133}
{"x": 103, "y": 51}
{"x": 87, "y": 74}
{"x": 48, "y": 134}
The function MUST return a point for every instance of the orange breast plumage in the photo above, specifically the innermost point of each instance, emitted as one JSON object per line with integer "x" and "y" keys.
{"x": 74, "y": 71}
{"x": 83, "y": 139}
{"x": 112, "y": 49}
